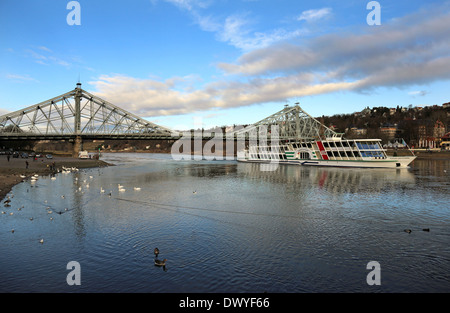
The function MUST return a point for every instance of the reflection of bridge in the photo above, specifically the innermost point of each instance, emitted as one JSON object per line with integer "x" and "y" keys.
{"x": 78, "y": 115}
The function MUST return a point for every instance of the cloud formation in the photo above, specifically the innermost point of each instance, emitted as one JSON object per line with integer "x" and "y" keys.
{"x": 45, "y": 56}
{"x": 312, "y": 15}
{"x": 20, "y": 78}
{"x": 411, "y": 50}
{"x": 235, "y": 29}
{"x": 414, "y": 49}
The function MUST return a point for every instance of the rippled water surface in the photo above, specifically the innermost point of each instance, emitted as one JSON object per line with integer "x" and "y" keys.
{"x": 229, "y": 227}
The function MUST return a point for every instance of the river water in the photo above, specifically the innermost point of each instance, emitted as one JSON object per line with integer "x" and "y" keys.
{"x": 229, "y": 227}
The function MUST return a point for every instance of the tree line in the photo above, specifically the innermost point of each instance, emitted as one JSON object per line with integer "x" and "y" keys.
{"x": 412, "y": 123}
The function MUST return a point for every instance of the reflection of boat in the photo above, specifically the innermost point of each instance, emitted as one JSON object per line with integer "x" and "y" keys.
{"x": 329, "y": 178}
{"x": 335, "y": 151}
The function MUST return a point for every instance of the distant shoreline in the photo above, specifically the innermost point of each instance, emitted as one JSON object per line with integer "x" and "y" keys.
{"x": 422, "y": 154}
{"x": 10, "y": 172}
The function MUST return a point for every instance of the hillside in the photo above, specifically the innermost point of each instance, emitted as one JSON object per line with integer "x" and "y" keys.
{"x": 411, "y": 123}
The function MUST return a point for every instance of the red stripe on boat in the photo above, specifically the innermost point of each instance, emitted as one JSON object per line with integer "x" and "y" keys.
{"x": 322, "y": 150}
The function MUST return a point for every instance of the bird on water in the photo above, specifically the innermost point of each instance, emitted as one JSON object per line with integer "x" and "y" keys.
{"x": 156, "y": 252}
{"x": 160, "y": 262}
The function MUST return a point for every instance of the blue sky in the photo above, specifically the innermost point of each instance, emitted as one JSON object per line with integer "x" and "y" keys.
{"x": 225, "y": 62}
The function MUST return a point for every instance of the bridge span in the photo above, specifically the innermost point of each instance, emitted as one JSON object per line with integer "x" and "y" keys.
{"x": 78, "y": 115}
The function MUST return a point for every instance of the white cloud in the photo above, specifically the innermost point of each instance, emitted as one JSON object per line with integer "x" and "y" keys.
{"x": 418, "y": 93}
{"x": 20, "y": 78}
{"x": 45, "y": 56}
{"x": 412, "y": 50}
{"x": 395, "y": 54}
{"x": 151, "y": 97}
{"x": 237, "y": 32}
{"x": 312, "y": 15}
{"x": 44, "y": 48}
{"x": 236, "y": 29}
{"x": 3, "y": 112}
{"x": 189, "y": 4}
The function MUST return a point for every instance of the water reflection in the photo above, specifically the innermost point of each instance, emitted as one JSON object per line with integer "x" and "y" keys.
{"x": 229, "y": 227}
{"x": 436, "y": 168}
{"x": 335, "y": 180}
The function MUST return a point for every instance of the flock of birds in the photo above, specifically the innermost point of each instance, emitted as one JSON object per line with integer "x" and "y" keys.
{"x": 65, "y": 170}
{"x": 7, "y": 203}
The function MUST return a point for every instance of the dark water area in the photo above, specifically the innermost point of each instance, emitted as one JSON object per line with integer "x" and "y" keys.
{"x": 228, "y": 227}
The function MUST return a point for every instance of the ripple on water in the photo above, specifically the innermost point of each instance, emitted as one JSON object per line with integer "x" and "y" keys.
{"x": 297, "y": 229}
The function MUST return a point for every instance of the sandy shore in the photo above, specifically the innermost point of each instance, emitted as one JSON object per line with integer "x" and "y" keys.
{"x": 10, "y": 172}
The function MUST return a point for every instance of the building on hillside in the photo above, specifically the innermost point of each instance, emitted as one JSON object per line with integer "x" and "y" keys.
{"x": 389, "y": 130}
{"x": 359, "y": 131}
{"x": 439, "y": 129}
{"x": 430, "y": 136}
{"x": 445, "y": 141}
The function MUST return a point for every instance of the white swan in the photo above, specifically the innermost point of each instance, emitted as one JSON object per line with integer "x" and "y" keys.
{"x": 137, "y": 188}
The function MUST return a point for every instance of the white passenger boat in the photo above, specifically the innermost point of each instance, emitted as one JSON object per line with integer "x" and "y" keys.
{"x": 303, "y": 140}
{"x": 336, "y": 152}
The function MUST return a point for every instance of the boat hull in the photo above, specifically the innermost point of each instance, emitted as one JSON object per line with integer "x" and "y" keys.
{"x": 390, "y": 162}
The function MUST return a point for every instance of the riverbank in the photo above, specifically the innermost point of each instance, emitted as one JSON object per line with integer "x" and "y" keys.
{"x": 422, "y": 154}
{"x": 11, "y": 171}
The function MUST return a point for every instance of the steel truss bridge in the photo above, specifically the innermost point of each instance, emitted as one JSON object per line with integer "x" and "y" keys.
{"x": 78, "y": 115}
